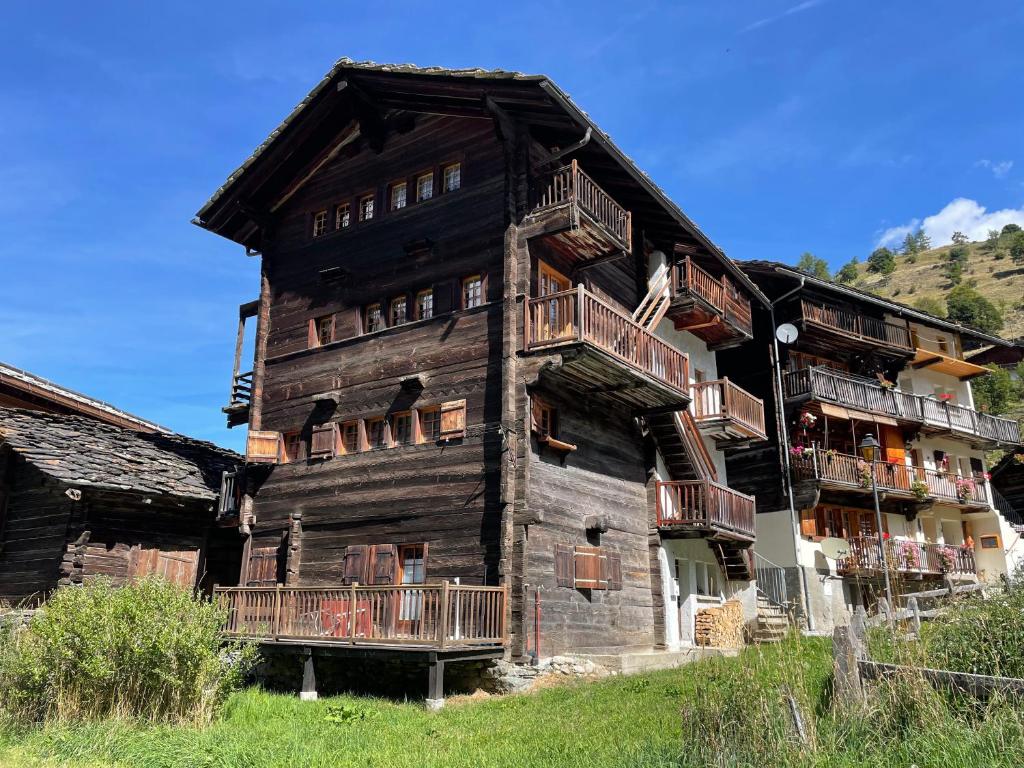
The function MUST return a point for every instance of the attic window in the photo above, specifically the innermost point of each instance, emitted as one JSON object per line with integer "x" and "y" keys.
{"x": 366, "y": 207}
{"x": 425, "y": 304}
{"x": 398, "y": 310}
{"x": 424, "y": 187}
{"x": 373, "y": 319}
{"x": 398, "y": 195}
{"x": 319, "y": 223}
{"x": 452, "y": 177}
{"x": 342, "y": 216}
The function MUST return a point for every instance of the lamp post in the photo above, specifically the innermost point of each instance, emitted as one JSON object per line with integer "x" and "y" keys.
{"x": 870, "y": 450}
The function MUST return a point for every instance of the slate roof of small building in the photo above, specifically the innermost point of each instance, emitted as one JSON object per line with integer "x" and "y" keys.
{"x": 83, "y": 452}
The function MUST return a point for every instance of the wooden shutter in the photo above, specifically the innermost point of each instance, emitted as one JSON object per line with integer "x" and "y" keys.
{"x": 563, "y": 565}
{"x": 453, "y": 419}
{"x": 590, "y": 568}
{"x": 324, "y": 441}
{"x": 384, "y": 560}
{"x": 312, "y": 334}
{"x": 356, "y": 562}
{"x": 613, "y": 571}
{"x": 262, "y": 447}
{"x": 808, "y": 522}
{"x": 179, "y": 567}
{"x": 444, "y": 296}
{"x": 262, "y": 571}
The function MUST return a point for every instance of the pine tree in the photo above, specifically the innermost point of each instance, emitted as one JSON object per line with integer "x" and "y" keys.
{"x": 923, "y": 241}
{"x": 909, "y": 245}
{"x": 959, "y": 238}
{"x": 882, "y": 261}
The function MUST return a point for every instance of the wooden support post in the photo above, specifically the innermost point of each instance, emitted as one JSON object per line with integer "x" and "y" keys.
{"x": 914, "y": 613}
{"x": 275, "y": 628}
{"x": 847, "y": 652}
{"x": 442, "y": 625}
{"x": 352, "y": 614}
{"x": 308, "y": 692}
{"x": 435, "y": 683}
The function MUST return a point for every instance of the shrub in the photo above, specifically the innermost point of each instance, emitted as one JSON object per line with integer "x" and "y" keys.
{"x": 882, "y": 261}
{"x": 966, "y": 305}
{"x": 149, "y": 651}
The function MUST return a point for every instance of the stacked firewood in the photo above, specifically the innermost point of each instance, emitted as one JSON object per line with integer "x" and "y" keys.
{"x": 721, "y": 626}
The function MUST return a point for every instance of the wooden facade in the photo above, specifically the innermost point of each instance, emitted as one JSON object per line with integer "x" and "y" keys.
{"x": 505, "y": 434}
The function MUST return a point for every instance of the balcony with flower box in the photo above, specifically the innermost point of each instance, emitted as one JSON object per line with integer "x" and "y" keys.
{"x": 913, "y": 559}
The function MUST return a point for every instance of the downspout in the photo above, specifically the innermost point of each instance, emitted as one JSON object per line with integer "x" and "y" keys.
{"x": 780, "y": 425}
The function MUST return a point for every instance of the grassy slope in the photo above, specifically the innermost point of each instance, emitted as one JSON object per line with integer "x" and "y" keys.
{"x": 1001, "y": 281}
{"x": 621, "y": 722}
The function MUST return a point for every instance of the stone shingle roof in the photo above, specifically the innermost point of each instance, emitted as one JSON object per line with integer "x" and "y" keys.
{"x": 83, "y": 452}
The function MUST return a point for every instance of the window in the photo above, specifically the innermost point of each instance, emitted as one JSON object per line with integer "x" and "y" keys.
{"x": 292, "y": 447}
{"x": 323, "y": 331}
{"x": 412, "y": 569}
{"x": 472, "y": 292}
{"x": 430, "y": 424}
{"x": 544, "y": 419}
{"x": 373, "y": 319}
{"x": 398, "y": 315}
{"x": 398, "y": 195}
{"x": 376, "y": 434}
{"x": 350, "y": 437}
{"x": 425, "y": 304}
{"x": 366, "y": 207}
{"x": 342, "y": 216}
{"x": 452, "y": 177}
{"x": 424, "y": 187}
{"x": 401, "y": 428}
{"x": 319, "y": 223}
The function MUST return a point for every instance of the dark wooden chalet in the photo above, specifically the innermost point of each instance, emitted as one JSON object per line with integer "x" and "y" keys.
{"x": 458, "y": 389}
{"x": 80, "y": 498}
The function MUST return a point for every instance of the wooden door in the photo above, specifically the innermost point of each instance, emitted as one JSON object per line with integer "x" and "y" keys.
{"x": 178, "y": 567}
{"x": 558, "y": 317}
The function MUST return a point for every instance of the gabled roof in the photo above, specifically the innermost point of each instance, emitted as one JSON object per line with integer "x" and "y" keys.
{"x": 769, "y": 268}
{"x": 26, "y": 388}
{"x": 250, "y": 192}
{"x": 82, "y": 452}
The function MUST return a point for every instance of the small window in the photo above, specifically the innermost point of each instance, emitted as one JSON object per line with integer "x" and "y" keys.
{"x": 293, "y": 447}
{"x": 342, "y": 216}
{"x": 544, "y": 419}
{"x": 425, "y": 304}
{"x": 373, "y": 319}
{"x": 376, "y": 434}
{"x": 424, "y": 187}
{"x": 319, "y": 223}
{"x": 324, "y": 330}
{"x": 366, "y": 207}
{"x": 472, "y": 292}
{"x": 398, "y": 195}
{"x": 401, "y": 428}
{"x": 430, "y": 424}
{"x": 398, "y": 312}
{"x": 350, "y": 437}
{"x": 452, "y": 177}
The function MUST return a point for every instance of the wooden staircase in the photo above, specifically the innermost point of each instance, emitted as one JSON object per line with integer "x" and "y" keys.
{"x": 655, "y": 304}
{"x": 772, "y": 621}
{"x": 733, "y": 558}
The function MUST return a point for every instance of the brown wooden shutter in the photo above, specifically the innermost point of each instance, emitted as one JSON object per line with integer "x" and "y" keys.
{"x": 312, "y": 334}
{"x": 453, "y": 419}
{"x": 179, "y": 567}
{"x": 263, "y": 570}
{"x": 324, "y": 441}
{"x": 356, "y": 562}
{"x": 613, "y": 571}
{"x": 589, "y": 568}
{"x": 262, "y": 447}
{"x": 385, "y": 557}
{"x": 563, "y": 565}
{"x": 444, "y": 296}
{"x": 808, "y": 522}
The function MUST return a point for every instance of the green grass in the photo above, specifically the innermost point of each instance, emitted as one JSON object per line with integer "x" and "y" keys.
{"x": 717, "y": 712}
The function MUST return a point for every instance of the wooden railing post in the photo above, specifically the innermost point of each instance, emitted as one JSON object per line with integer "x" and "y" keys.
{"x": 352, "y": 613}
{"x": 275, "y": 627}
{"x": 443, "y": 623}
{"x": 581, "y": 309}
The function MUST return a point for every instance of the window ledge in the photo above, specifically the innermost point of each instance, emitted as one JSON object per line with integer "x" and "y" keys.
{"x": 555, "y": 444}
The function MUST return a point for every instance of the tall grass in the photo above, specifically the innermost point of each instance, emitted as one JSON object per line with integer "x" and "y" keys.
{"x": 149, "y": 650}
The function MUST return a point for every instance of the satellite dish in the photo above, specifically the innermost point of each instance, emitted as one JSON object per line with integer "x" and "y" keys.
{"x": 786, "y": 333}
{"x": 835, "y": 549}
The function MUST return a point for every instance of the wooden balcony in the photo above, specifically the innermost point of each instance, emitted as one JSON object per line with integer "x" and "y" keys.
{"x": 583, "y": 221}
{"x": 728, "y": 413}
{"x": 850, "y": 328}
{"x": 909, "y": 558}
{"x": 604, "y": 352}
{"x": 694, "y": 508}
{"x": 842, "y": 471}
{"x": 711, "y": 308}
{"x": 868, "y": 396}
{"x": 414, "y": 616}
{"x": 241, "y": 397}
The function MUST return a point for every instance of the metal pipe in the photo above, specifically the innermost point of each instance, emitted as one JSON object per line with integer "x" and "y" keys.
{"x": 881, "y": 542}
{"x": 536, "y": 624}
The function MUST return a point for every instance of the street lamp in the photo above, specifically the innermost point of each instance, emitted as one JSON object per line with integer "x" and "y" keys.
{"x": 871, "y": 451}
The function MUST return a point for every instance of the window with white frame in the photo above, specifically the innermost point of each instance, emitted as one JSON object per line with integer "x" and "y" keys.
{"x": 424, "y": 187}
{"x": 452, "y": 177}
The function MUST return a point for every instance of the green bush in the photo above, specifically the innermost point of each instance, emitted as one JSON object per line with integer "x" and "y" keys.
{"x": 148, "y": 651}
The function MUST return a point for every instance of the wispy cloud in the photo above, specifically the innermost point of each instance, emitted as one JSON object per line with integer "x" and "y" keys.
{"x": 960, "y": 215}
{"x": 1000, "y": 169}
{"x": 798, "y": 8}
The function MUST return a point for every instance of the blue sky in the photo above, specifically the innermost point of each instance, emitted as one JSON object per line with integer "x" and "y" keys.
{"x": 824, "y": 125}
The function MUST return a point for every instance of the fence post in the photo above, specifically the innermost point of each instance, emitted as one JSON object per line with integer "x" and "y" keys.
{"x": 915, "y": 615}
{"x": 443, "y": 623}
{"x": 847, "y": 651}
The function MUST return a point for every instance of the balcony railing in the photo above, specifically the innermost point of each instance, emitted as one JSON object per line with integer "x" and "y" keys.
{"x": 241, "y": 388}
{"x": 576, "y": 316}
{"x": 688, "y": 277}
{"x": 921, "y": 483}
{"x": 723, "y": 401}
{"x": 863, "y": 394}
{"x": 705, "y": 505}
{"x": 859, "y": 327}
{"x": 571, "y": 186}
{"x": 414, "y": 615}
{"x": 907, "y": 557}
